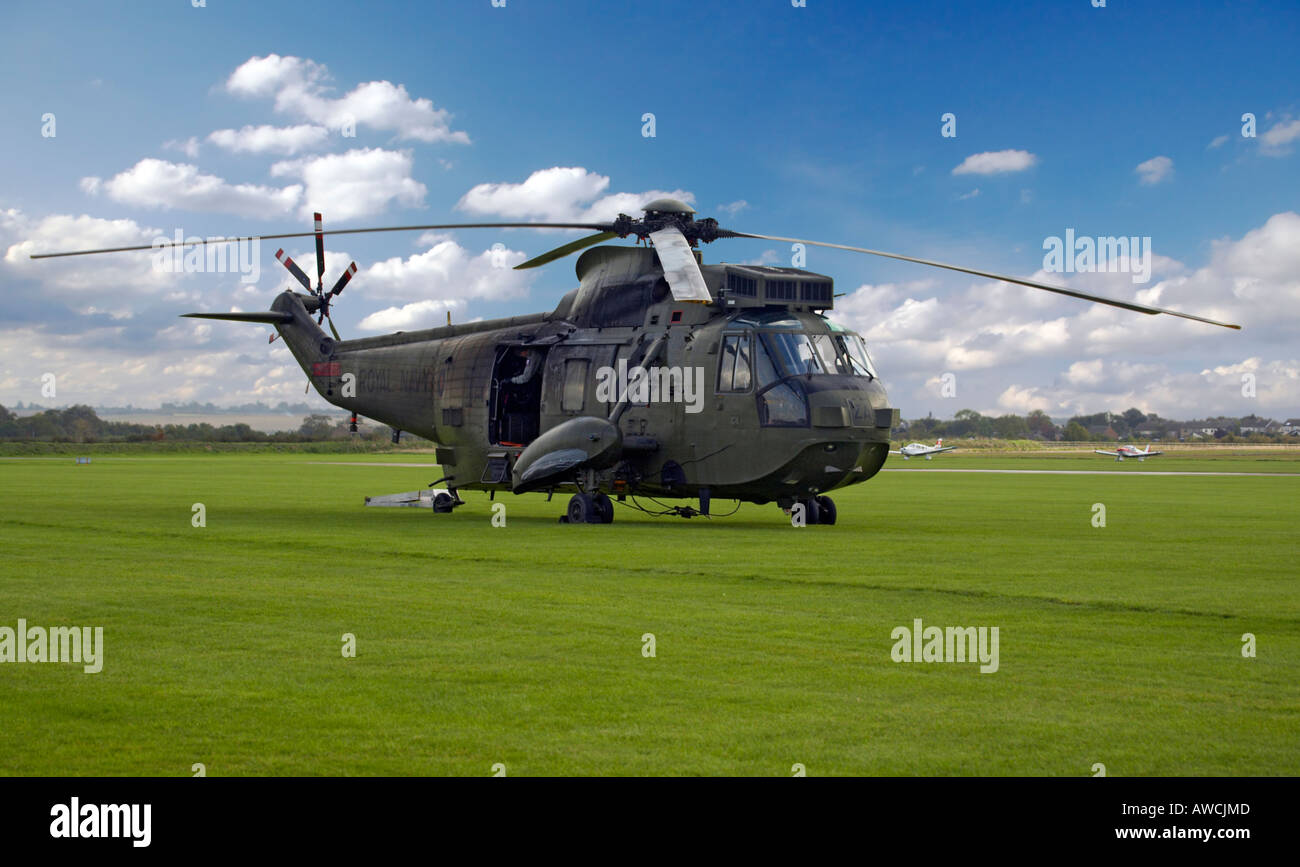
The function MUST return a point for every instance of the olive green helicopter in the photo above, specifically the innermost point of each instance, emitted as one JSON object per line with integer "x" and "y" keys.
{"x": 658, "y": 378}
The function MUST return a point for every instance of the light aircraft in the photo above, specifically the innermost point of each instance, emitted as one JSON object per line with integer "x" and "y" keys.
{"x": 917, "y": 450}
{"x": 1129, "y": 452}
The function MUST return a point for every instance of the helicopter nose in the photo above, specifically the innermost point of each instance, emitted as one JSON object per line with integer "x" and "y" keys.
{"x": 848, "y": 409}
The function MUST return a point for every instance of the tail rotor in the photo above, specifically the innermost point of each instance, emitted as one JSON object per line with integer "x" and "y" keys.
{"x": 323, "y": 298}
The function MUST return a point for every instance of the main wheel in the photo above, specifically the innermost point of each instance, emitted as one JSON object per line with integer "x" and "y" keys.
{"x": 443, "y": 503}
{"x": 812, "y": 514}
{"x": 825, "y": 510}
{"x": 604, "y": 508}
{"x": 581, "y": 509}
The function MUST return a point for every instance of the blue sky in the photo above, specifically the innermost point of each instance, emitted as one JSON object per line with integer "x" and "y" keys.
{"x": 820, "y": 122}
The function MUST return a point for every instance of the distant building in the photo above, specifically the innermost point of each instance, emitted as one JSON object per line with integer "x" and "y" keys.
{"x": 1291, "y": 427}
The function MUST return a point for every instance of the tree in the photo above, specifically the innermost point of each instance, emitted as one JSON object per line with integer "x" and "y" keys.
{"x": 1077, "y": 433}
{"x": 317, "y": 426}
{"x": 1134, "y": 418}
{"x": 1040, "y": 423}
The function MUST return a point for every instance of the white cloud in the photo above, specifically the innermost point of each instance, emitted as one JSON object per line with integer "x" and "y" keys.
{"x": 154, "y": 183}
{"x": 996, "y": 163}
{"x": 1155, "y": 170}
{"x": 189, "y": 146}
{"x": 80, "y": 278}
{"x": 409, "y": 317}
{"x": 1217, "y": 142}
{"x": 972, "y": 194}
{"x": 1278, "y": 139}
{"x": 560, "y": 195}
{"x": 734, "y": 208}
{"x": 286, "y": 140}
{"x": 447, "y": 271}
{"x": 1001, "y": 335}
{"x": 298, "y": 86}
{"x": 356, "y": 183}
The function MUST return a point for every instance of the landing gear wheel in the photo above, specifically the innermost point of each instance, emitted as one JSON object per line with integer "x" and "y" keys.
{"x": 443, "y": 503}
{"x": 812, "y": 514}
{"x": 582, "y": 510}
{"x": 604, "y": 508}
{"x": 825, "y": 510}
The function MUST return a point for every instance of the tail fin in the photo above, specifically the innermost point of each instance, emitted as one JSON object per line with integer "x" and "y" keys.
{"x": 939, "y": 444}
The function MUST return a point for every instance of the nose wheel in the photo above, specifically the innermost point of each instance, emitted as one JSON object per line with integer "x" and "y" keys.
{"x": 589, "y": 509}
{"x": 818, "y": 510}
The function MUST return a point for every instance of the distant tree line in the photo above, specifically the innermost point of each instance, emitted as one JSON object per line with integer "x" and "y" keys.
{"x": 1132, "y": 424}
{"x": 80, "y": 424}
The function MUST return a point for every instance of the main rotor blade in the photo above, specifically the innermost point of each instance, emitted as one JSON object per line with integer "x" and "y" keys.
{"x": 343, "y": 281}
{"x": 330, "y": 320}
{"x": 561, "y": 252}
{"x": 320, "y": 252}
{"x": 603, "y": 227}
{"x": 1060, "y": 290}
{"x": 288, "y": 262}
{"x": 269, "y": 317}
{"x": 680, "y": 268}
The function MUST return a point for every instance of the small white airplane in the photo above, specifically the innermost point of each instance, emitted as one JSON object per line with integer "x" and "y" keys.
{"x": 916, "y": 450}
{"x": 1129, "y": 452}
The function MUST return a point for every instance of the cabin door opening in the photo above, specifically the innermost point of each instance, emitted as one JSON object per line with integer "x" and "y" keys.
{"x": 517, "y": 395}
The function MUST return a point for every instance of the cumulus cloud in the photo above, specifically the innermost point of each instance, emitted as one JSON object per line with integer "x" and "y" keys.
{"x": 287, "y": 140}
{"x": 1277, "y": 141}
{"x": 189, "y": 146}
{"x": 409, "y": 317}
{"x": 1155, "y": 170}
{"x": 561, "y": 195}
{"x": 999, "y": 335}
{"x": 996, "y": 163}
{"x": 354, "y": 184}
{"x": 299, "y": 88}
{"x": 80, "y": 278}
{"x": 446, "y": 270}
{"x": 154, "y": 183}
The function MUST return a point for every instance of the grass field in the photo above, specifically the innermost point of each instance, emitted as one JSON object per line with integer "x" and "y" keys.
{"x": 523, "y": 645}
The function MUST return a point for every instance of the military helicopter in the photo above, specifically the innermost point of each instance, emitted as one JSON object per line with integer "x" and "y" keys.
{"x": 657, "y": 378}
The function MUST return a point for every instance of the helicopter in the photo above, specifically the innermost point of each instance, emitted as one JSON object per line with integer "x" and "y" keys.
{"x": 658, "y": 378}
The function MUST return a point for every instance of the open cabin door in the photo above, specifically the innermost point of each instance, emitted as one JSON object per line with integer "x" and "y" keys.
{"x": 516, "y": 400}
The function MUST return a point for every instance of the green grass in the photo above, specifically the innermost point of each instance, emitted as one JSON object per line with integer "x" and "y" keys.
{"x": 522, "y": 644}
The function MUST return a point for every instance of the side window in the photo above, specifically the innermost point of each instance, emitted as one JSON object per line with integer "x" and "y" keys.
{"x": 727, "y": 363}
{"x": 575, "y": 385}
{"x": 734, "y": 365}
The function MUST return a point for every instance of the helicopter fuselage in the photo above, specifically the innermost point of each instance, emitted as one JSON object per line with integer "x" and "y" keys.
{"x": 789, "y": 406}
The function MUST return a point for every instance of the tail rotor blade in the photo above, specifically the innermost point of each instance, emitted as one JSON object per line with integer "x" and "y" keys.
{"x": 293, "y": 269}
{"x": 343, "y": 281}
{"x": 320, "y": 252}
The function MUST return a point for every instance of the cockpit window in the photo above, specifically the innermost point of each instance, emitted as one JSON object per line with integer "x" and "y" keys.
{"x": 844, "y": 353}
{"x": 858, "y": 358}
{"x": 794, "y": 352}
{"x": 734, "y": 373}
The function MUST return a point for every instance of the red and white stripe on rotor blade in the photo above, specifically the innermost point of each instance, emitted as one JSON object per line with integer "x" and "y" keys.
{"x": 293, "y": 269}
{"x": 343, "y": 281}
{"x": 320, "y": 251}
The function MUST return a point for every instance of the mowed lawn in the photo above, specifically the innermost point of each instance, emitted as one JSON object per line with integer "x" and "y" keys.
{"x": 523, "y": 645}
